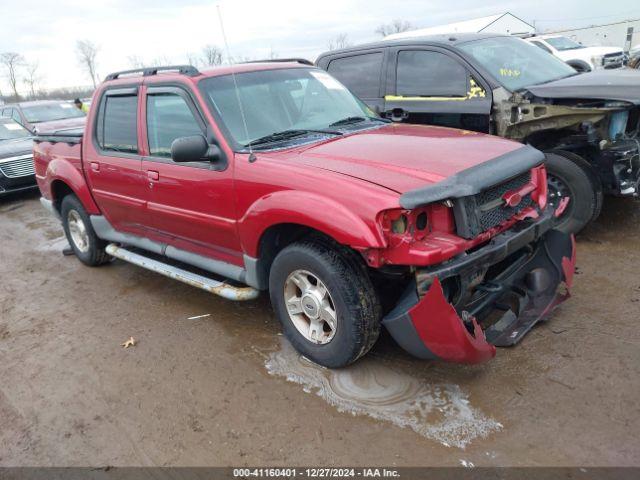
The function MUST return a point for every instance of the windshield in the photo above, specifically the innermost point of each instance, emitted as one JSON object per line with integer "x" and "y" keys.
{"x": 283, "y": 100}
{"x": 10, "y": 130}
{"x": 47, "y": 112}
{"x": 562, "y": 43}
{"x": 516, "y": 64}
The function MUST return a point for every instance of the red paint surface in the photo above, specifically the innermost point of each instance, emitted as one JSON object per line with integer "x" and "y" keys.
{"x": 443, "y": 332}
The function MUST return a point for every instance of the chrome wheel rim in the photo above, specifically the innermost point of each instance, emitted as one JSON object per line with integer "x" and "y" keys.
{"x": 310, "y": 307}
{"x": 78, "y": 231}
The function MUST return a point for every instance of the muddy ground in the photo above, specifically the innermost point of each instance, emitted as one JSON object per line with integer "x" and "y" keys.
{"x": 225, "y": 389}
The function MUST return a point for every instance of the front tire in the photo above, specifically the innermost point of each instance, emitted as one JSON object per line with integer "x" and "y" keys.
{"x": 80, "y": 234}
{"x": 566, "y": 178}
{"x": 324, "y": 299}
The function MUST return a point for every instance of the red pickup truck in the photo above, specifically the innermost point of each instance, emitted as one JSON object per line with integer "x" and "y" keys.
{"x": 273, "y": 176}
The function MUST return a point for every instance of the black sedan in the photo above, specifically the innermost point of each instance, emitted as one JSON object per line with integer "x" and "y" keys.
{"x": 16, "y": 157}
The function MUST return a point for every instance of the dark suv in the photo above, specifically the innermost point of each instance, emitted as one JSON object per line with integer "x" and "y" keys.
{"x": 588, "y": 124}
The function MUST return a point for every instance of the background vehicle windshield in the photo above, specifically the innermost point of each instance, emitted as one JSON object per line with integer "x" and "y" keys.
{"x": 562, "y": 43}
{"x": 515, "y": 63}
{"x": 10, "y": 130}
{"x": 278, "y": 100}
{"x": 48, "y": 112}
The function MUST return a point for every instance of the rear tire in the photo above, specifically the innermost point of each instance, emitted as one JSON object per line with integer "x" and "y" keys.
{"x": 568, "y": 179}
{"x": 80, "y": 234}
{"x": 299, "y": 275}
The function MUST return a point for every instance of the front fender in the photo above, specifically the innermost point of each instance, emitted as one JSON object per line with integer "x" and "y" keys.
{"x": 310, "y": 210}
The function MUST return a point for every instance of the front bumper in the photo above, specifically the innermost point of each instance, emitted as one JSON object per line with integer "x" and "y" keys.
{"x": 12, "y": 185}
{"x": 522, "y": 269}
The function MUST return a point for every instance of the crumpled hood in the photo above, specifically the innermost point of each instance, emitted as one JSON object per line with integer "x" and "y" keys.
{"x": 621, "y": 85}
{"x": 404, "y": 157}
{"x": 12, "y": 148}
{"x": 58, "y": 125}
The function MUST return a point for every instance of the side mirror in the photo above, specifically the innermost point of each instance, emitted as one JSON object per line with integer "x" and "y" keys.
{"x": 194, "y": 149}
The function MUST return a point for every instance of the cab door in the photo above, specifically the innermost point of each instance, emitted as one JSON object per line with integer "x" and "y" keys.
{"x": 434, "y": 86}
{"x": 113, "y": 164}
{"x": 191, "y": 204}
{"x": 361, "y": 72}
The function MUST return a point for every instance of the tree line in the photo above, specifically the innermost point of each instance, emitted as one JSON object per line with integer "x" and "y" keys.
{"x": 21, "y": 72}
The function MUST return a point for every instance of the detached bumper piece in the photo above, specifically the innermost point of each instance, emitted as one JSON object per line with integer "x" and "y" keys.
{"x": 491, "y": 297}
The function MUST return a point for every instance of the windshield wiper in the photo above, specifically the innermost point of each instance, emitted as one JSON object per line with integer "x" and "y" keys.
{"x": 287, "y": 134}
{"x": 352, "y": 120}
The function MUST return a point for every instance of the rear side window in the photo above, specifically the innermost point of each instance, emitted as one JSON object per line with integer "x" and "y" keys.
{"x": 430, "y": 74}
{"x": 168, "y": 117}
{"x": 360, "y": 74}
{"x": 118, "y": 124}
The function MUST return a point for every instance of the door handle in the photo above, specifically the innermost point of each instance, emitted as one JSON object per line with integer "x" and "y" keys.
{"x": 95, "y": 166}
{"x": 397, "y": 114}
{"x": 153, "y": 175}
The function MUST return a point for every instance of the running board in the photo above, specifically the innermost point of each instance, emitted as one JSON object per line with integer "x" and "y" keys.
{"x": 213, "y": 286}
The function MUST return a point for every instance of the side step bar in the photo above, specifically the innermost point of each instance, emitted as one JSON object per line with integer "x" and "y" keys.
{"x": 213, "y": 286}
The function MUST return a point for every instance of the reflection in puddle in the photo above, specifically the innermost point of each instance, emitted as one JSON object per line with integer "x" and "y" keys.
{"x": 439, "y": 412}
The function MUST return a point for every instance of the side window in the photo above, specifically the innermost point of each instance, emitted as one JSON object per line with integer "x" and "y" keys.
{"x": 118, "y": 124}
{"x": 16, "y": 115}
{"x": 430, "y": 74}
{"x": 168, "y": 117}
{"x": 542, "y": 46}
{"x": 360, "y": 73}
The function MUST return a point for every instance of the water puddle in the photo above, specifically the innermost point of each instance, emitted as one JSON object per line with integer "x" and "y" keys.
{"x": 440, "y": 412}
{"x": 53, "y": 245}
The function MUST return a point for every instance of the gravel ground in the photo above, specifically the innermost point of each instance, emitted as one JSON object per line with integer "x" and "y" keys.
{"x": 224, "y": 388}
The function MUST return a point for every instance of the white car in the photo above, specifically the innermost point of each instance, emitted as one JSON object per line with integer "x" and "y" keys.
{"x": 583, "y": 59}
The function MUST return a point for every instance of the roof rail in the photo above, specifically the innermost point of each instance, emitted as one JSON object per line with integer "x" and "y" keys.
{"x": 189, "y": 70}
{"x": 303, "y": 61}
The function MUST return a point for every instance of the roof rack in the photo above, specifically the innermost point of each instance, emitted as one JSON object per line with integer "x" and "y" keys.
{"x": 189, "y": 70}
{"x": 303, "y": 61}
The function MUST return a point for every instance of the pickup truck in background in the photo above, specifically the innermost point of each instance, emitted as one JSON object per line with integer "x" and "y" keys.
{"x": 588, "y": 124}
{"x": 580, "y": 57}
{"x": 273, "y": 176}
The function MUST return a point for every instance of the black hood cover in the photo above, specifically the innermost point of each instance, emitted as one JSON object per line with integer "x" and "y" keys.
{"x": 620, "y": 85}
{"x": 19, "y": 146}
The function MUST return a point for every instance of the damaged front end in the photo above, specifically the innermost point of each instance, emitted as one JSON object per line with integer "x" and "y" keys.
{"x": 605, "y": 133}
{"x": 492, "y": 296}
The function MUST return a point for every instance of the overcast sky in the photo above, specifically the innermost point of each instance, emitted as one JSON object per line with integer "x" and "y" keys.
{"x": 46, "y": 30}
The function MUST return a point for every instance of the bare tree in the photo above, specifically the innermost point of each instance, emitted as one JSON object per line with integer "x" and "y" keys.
{"x": 162, "y": 61}
{"x": 192, "y": 59}
{"x": 135, "y": 61}
{"x": 12, "y": 61}
{"x": 340, "y": 41}
{"x": 87, "y": 52}
{"x": 32, "y": 77}
{"x": 211, "y": 55}
{"x": 396, "y": 26}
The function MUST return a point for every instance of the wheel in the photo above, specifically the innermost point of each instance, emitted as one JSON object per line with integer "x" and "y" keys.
{"x": 579, "y": 66}
{"x": 324, "y": 299}
{"x": 77, "y": 227}
{"x": 567, "y": 179}
{"x": 595, "y": 181}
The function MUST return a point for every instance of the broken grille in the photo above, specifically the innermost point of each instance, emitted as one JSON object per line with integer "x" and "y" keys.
{"x": 17, "y": 167}
{"x": 478, "y": 213}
